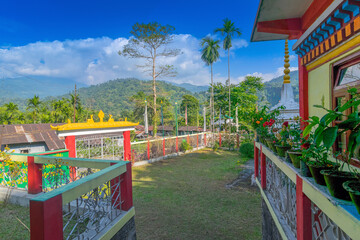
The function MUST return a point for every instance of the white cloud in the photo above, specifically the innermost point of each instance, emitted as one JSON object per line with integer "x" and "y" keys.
{"x": 268, "y": 76}
{"x": 96, "y": 60}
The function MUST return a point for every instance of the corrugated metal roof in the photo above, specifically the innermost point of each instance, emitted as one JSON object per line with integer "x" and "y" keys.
{"x": 32, "y": 133}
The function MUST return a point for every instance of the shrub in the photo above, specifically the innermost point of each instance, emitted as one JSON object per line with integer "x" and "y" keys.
{"x": 247, "y": 149}
{"x": 216, "y": 146}
{"x": 185, "y": 146}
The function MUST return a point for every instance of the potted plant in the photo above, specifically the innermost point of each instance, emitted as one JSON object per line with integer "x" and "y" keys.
{"x": 270, "y": 139}
{"x": 282, "y": 144}
{"x": 326, "y": 133}
{"x": 353, "y": 188}
{"x": 295, "y": 142}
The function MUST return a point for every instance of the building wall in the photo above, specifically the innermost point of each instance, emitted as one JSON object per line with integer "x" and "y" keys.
{"x": 320, "y": 85}
{"x": 33, "y": 147}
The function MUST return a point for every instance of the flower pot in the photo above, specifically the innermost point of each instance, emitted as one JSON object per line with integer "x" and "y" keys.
{"x": 353, "y": 188}
{"x": 315, "y": 172}
{"x": 334, "y": 180}
{"x": 295, "y": 158}
{"x": 281, "y": 150}
{"x": 271, "y": 144}
{"x": 304, "y": 169}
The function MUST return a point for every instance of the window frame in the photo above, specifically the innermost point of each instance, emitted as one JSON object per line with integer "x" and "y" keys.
{"x": 341, "y": 91}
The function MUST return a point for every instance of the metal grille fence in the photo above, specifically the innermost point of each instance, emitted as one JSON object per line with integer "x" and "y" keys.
{"x": 100, "y": 147}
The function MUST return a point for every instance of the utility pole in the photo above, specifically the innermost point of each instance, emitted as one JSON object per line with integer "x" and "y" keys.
{"x": 75, "y": 104}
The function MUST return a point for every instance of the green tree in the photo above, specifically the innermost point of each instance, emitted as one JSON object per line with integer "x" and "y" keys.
{"x": 244, "y": 95}
{"x": 150, "y": 42}
{"x": 11, "y": 112}
{"x": 193, "y": 108}
{"x": 34, "y": 104}
{"x": 229, "y": 31}
{"x": 210, "y": 54}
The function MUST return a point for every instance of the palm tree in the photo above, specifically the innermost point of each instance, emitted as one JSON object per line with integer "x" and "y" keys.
{"x": 229, "y": 31}
{"x": 210, "y": 54}
{"x": 34, "y": 103}
{"x": 11, "y": 109}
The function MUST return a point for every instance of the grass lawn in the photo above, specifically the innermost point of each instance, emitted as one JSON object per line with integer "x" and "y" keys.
{"x": 185, "y": 198}
{"x": 10, "y": 227}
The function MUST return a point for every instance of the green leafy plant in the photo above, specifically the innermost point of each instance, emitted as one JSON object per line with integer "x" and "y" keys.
{"x": 247, "y": 149}
{"x": 185, "y": 146}
{"x": 216, "y": 146}
{"x": 283, "y": 134}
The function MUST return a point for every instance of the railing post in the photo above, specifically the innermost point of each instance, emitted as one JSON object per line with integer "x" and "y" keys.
{"x": 256, "y": 160}
{"x": 46, "y": 219}
{"x": 219, "y": 139}
{"x": 263, "y": 169}
{"x": 127, "y": 146}
{"x": 163, "y": 146}
{"x": 205, "y": 139}
{"x": 188, "y": 139}
{"x": 126, "y": 189}
{"x": 148, "y": 150}
{"x": 303, "y": 212}
{"x": 34, "y": 176}
{"x": 197, "y": 140}
{"x": 70, "y": 143}
{"x": 177, "y": 144}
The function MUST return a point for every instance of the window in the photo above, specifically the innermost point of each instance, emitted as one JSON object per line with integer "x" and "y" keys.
{"x": 25, "y": 151}
{"x": 346, "y": 75}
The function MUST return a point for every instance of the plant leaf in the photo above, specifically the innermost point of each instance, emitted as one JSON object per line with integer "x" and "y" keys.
{"x": 329, "y": 136}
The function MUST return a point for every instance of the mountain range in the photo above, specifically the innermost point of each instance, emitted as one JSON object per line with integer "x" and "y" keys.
{"x": 113, "y": 96}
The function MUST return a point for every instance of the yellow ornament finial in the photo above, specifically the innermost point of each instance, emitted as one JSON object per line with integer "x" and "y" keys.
{"x": 101, "y": 116}
{"x": 287, "y": 64}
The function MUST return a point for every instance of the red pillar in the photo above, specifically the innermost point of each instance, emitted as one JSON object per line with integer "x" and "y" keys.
{"x": 219, "y": 139}
{"x": 177, "y": 144}
{"x": 303, "y": 212}
{"x": 163, "y": 147}
{"x": 127, "y": 146}
{"x": 71, "y": 146}
{"x": 46, "y": 219}
{"x": 188, "y": 139}
{"x": 148, "y": 150}
{"x": 256, "y": 160}
{"x": 126, "y": 188}
{"x": 205, "y": 139}
{"x": 303, "y": 92}
{"x": 263, "y": 169}
{"x": 197, "y": 140}
{"x": 34, "y": 176}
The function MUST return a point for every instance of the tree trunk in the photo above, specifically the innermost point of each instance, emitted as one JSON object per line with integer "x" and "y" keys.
{"x": 212, "y": 98}
{"x": 154, "y": 90}
{"x": 229, "y": 89}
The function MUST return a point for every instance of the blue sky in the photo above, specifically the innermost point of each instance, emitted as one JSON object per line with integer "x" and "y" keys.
{"x": 79, "y": 39}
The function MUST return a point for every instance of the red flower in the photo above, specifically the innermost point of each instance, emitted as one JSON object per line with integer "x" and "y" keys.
{"x": 286, "y": 124}
{"x": 264, "y": 124}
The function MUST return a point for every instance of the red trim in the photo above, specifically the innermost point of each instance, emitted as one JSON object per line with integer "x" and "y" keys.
{"x": 256, "y": 160}
{"x": 127, "y": 146}
{"x": 148, "y": 150}
{"x": 303, "y": 92}
{"x": 205, "y": 139}
{"x": 46, "y": 219}
{"x": 188, "y": 139}
{"x": 163, "y": 147}
{"x": 177, "y": 144}
{"x": 34, "y": 176}
{"x": 303, "y": 212}
{"x": 48, "y": 153}
{"x": 126, "y": 188}
{"x": 71, "y": 146}
{"x": 291, "y": 27}
{"x": 263, "y": 169}
{"x": 316, "y": 8}
{"x": 115, "y": 192}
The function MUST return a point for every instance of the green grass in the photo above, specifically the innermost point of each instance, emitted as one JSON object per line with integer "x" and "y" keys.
{"x": 10, "y": 227}
{"x": 185, "y": 198}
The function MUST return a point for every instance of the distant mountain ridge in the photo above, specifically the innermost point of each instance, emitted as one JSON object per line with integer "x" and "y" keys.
{"x": 192, "y": 88}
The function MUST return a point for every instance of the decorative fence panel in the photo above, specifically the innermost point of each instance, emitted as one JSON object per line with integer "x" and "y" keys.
{"x": 139, "y": 151}
{"x": 100, "y": 147}
{"x": 15, "y": 179}
{"x": 300, "y": 208}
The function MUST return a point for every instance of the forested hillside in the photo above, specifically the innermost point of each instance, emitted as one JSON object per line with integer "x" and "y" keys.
{"x": 114, "y": 96}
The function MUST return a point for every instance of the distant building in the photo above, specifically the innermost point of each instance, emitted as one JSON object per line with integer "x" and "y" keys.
{"x": 30, "y": 138}
{"x": 184, "y": 130}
